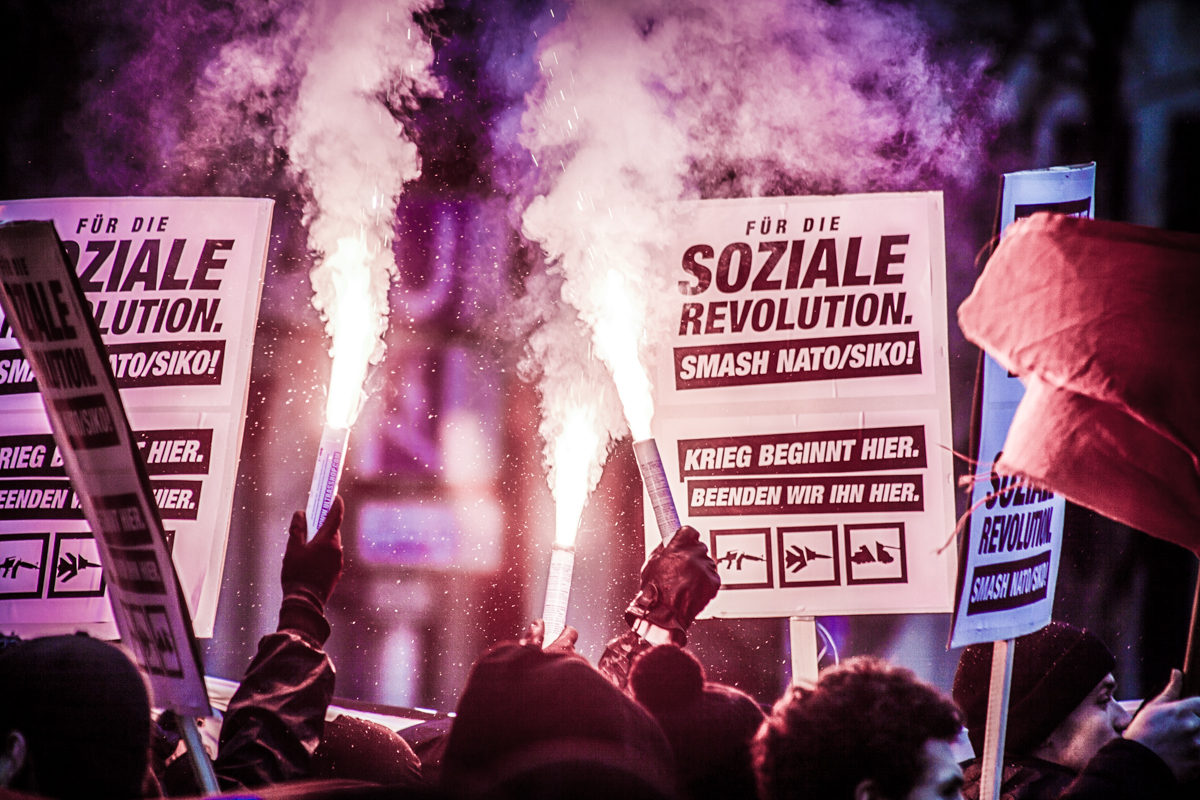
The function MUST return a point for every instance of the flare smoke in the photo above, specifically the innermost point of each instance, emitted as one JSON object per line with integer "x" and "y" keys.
{"x": 581, "y": 393}
{"x": 361, "y": 64}
{"x": 643, "y": 103}
{"x": 312, "y": 91}
{"x": 356, "y": 159}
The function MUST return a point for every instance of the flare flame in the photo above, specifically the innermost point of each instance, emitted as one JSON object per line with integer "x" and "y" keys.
{"x": 574, "y": 450}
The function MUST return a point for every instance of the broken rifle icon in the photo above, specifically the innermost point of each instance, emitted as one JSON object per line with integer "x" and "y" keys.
{"x": 733, "y": 559}
{"x": 863, "y": 555}
{"x": 70, "y": 564}
{"x": 796, "y": 558}
{"x": 12, "y": 565}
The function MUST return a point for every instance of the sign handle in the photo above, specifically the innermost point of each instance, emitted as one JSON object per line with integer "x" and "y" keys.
{"x": 200, "y": 761}
{"x": 803, "y": 634}
{"x": 1191, "y": 661}
{"x": 997, "y": 720}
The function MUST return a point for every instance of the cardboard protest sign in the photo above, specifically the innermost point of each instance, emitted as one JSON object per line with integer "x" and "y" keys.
{"x": 174, "y": 286}
{"x": 47, "y": 310}
{"x": 803, "y": 408}
{"x": 1009, "y": 562}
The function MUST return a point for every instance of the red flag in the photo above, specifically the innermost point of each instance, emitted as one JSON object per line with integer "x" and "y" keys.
{"x": 1102, "y": 322}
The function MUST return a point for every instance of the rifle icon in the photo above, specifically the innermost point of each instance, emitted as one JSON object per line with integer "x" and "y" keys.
{"x": 733, "y": 559}
{"x": 796, "y": 559}
{"x": 863, "y": 555}
{"x": 70, "y": 564}
{"x": 13, "y": 565}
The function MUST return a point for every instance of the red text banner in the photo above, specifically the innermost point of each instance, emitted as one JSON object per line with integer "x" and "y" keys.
{"x": 859, "y": 450}
{"x": 805, "y": 495}
{"x": 872, "y": 356}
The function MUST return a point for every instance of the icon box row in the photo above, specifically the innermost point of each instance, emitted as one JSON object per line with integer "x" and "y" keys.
{"x": 29, "y": 566}
{"x": 31, "y": 569}
{"x": 810, "y": 556}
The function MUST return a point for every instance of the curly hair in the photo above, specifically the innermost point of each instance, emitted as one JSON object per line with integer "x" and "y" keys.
{"x": 864, "y": 719}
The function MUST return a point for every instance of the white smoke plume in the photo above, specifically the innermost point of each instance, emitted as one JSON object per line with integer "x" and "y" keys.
{"x": 325, "y": 82}
{"x": 600, "y": 223}
{"x": 356, "y": 159}
{"x": 580, "y": 388}
{"x": 644, "y": 103}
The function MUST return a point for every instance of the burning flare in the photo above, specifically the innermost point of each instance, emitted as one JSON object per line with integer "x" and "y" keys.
{"x": 354, "y": 329}
{"x": 570, "y": 481}
{"x": 363, "y": 61}
{"x": 617, "y": 329}
{"x": 642, "y": 104}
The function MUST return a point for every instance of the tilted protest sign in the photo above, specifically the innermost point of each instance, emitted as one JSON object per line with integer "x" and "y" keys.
{"x": 46, "y": 308}
{"x": 803, "y": 406}
{"x": 174, "y": 285}
{"x": 1009, "y": 564}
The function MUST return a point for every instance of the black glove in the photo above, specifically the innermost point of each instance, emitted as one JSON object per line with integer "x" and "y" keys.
{"x": 619, "y": 656}
{"x": 310, "y": 571}
{"x": 678, "y": 580}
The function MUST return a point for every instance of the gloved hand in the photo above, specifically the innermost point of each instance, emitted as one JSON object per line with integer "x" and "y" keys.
{"x": 678, "y": 581}
{"x": 535, "y": 635}
{"x": 310, "y": 571}
{"x": 313, "y": 568}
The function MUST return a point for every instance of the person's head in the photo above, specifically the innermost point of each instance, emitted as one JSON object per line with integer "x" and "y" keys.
{"x": 74, "y": 719}
{"x": 539, "y": 724}
{"x": 866, "y": 731}
{"x": 709, "y": 725}
{"x": 358, "y": 749}
{"x": 1096, "y": 721}
{"x": 1061, "y": 705}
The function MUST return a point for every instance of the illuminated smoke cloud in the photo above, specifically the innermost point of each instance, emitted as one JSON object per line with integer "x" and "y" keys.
{"x": 814, "y": 98}
{"x": 643, "y": 103}
{"x": 363, "y": 58}
{"x": 571, "y": 383}
{"x": 610, "y": 205}
{"x": 306, "y": 93}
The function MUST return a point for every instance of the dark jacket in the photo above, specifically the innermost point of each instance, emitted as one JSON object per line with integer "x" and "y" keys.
{"x": 1122, "y": 769}
{"x": 275, "y": 718}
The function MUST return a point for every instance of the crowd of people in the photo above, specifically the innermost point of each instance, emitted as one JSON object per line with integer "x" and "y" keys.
{"x": 537, "y": 720}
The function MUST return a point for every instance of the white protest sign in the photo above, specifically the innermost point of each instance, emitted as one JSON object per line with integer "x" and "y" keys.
{"x": 803, "y": 409}
{"x": 1010, "y": 560}
{"x": 174, "y": 284}
{"x": 44, "y": 304}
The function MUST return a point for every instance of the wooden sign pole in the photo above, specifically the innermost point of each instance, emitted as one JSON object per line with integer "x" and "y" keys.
{"x": 1191, "y": 660}
{"x": 997, "y": 720}
{"x": 803, "y": 634}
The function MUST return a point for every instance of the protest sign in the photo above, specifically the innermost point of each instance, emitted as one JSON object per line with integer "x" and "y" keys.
{"x": 47, "y": 310}
{"x": 803, "y": 406}
{"x": 174, "y": 286}
{"x": 1009, "y": 561}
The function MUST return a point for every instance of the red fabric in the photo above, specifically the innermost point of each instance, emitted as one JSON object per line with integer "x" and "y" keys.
{"x": 1102, "y": 322}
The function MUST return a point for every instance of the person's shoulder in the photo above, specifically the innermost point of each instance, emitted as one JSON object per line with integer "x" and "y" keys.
{"x": 1127, "y": 751}
{"x": 1023, "y": 779}
{"x": 1127, "y": 766}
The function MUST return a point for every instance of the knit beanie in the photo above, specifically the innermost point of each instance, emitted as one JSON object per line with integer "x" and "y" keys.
{"x": 709, "y": 725}
{"x": 1054, "y": 669}
{"x": 553, "y": 726}
{"x": 84, "y": 711}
